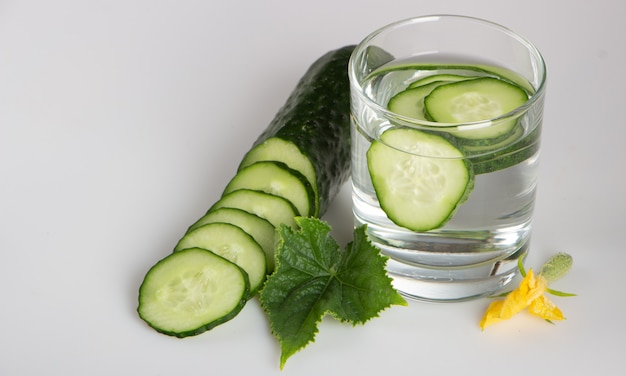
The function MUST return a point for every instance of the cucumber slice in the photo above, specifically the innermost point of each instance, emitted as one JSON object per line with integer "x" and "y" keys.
{"x": 475, "y": 100}
{"x": 439, "y": 77}
{"x": 191, "y": 291}
{"x": 410, "y": 102}
{"x": 232, "y": 243}
{"x": 275, "y": 209}
{"x": 277, "y": 149}
{"x": 259, "y": 228}
{"x": 278, "y": 179}
{"x": 489, "y": 145}
{"x": 417, "y": 192}
{"x": 513, "y": 150}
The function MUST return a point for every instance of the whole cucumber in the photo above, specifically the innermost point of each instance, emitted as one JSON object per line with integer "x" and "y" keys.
{"x": 316, "y": 120}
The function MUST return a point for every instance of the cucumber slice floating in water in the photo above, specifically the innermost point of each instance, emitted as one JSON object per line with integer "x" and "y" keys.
{"x": 439, "y": 77}
{"x": 420, "y": 180}
{"x": 192, "y": 291}
{"x": 475, "y": 100}
{"x": 410, "y": 102}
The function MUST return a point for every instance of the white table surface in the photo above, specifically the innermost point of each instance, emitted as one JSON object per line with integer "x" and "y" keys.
{"x": 122, "y": 121}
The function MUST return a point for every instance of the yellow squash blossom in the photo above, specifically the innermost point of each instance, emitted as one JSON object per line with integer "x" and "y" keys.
{"x": 531, "y": 293}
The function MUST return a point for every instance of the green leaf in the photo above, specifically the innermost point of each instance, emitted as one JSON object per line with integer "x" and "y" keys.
{"x": 314, "y": 277}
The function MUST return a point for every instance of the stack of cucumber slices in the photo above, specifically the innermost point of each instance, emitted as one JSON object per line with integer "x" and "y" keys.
{"x": 295, "y": 168}
{"x": 422, "y": 177}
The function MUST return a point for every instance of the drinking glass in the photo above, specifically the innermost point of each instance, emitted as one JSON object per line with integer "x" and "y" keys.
{"x": 475, "y": 249}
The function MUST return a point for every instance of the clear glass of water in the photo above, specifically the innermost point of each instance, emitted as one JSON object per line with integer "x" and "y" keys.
{"x": 475, "y": 249}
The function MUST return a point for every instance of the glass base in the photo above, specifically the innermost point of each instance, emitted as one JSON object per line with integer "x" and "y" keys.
{"x": 453, "y": 284}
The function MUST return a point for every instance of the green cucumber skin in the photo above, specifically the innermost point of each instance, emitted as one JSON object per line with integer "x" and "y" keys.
{"x": 508, "y": 156}
{"x": 316, "y": 118}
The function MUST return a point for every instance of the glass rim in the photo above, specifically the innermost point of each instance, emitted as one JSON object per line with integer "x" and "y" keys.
{"x": 533, "y": 51}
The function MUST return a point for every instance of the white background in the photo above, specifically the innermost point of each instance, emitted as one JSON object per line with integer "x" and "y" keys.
{"x": 122, "y": 121}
